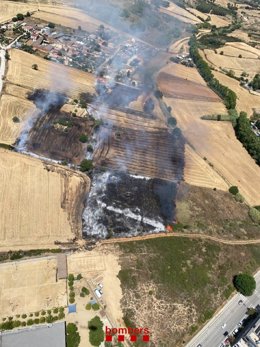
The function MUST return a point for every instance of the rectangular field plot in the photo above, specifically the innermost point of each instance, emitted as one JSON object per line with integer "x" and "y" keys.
{"x": 30, "y": 286}
{"x": 39, "y": 203}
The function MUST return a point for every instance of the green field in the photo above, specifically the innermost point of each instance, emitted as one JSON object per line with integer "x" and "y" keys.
{"x": 195, "y": 276}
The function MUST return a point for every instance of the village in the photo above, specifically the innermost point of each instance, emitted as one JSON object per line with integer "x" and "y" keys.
{"x": 111, "y": 56}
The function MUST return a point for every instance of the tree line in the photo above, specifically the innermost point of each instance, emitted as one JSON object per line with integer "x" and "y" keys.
{"x": 245, "y": 135}
{"x": 224, "y": 92}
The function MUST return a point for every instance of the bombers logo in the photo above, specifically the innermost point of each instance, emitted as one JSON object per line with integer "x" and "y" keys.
{"x": 121, "y": 333}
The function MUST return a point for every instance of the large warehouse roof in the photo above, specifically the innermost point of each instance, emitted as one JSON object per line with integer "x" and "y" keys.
{"x": 51, "y": 335}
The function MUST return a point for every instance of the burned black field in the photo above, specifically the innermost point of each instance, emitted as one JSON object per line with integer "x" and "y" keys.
{"x": 138, "y": 161}
{"x": 158, "y": 153}
{"x": 120, "y": 204}
{"x": 56, "y": 134}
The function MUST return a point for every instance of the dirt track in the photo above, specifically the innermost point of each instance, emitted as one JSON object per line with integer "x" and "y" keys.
{"x": 186, "y": 235}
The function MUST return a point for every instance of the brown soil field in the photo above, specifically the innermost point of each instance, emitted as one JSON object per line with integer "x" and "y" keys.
{"x": 11, "y": 106}
{"x": 181, "y": 88}
{"x": 180, "y": 13}
{"x": 29, "y": 286}
{"x": 215, "y": 142}
{"x": 44, "y": 203}
{"x": 246, "y": 101}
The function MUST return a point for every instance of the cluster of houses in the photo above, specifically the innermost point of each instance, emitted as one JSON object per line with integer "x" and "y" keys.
{"x": 183, "y": 59}
{"x": 123, "y": 66}
{"x": 117, "y": 57}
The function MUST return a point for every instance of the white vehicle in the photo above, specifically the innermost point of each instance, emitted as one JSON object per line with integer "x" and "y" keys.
{"x": 224, "y": 325}
{"x": 100, "y": 285}
{"x": 97, "y": 293}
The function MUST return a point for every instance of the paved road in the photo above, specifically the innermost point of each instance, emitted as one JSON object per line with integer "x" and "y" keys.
{"x": 3, "y": 61}
{"x": 2, "y": 67}
{"x": 231, "y": 314}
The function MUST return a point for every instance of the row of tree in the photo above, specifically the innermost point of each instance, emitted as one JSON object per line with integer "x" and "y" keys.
{"x": 224, "y": 92}
{"x": 209, "y": 7}
{"x": 255, "y": 84}
{"x": 245, "y": 135}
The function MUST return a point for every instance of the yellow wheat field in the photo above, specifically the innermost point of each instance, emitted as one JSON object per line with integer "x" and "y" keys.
{"x": 211, "y": 143}
{"x": 10, "y": 107}
{"x": 246, "y": 101}
{"x": 10, "y": 9}
{"x": 50, "y": 75}
{"x": 21, "y": 79}
{"x": 68, "y": 16}
{"x": 231, "y": 61}
{"x": 219, "y": 21}
{"x": 39, "y": 203}
{"x": 180, "y": 13}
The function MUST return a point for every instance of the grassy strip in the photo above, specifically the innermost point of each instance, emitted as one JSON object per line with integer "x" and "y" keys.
{"x": 14, "y": 255}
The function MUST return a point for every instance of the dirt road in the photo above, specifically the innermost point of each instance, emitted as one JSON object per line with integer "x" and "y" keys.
{"x": 186, "y": 235}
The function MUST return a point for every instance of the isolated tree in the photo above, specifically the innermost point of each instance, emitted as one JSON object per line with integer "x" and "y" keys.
{"x": 73, "y": 337}
{"x": 16, "y": 119}
{"x": 51, "y": 25}
{"x": 35, "y": 67}
{"x": 20, "y": 16}
{"x": 233, "y": 190}
{"x": 96, "y": 333}
{"x": 244, "y": 284}
{"x": 7, "y": 56}
{"x": 83, "y": 138}
{"x": 86, "y": 165}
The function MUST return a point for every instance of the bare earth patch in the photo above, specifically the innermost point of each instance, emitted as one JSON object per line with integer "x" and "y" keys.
{"x": 30, "y": 286}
